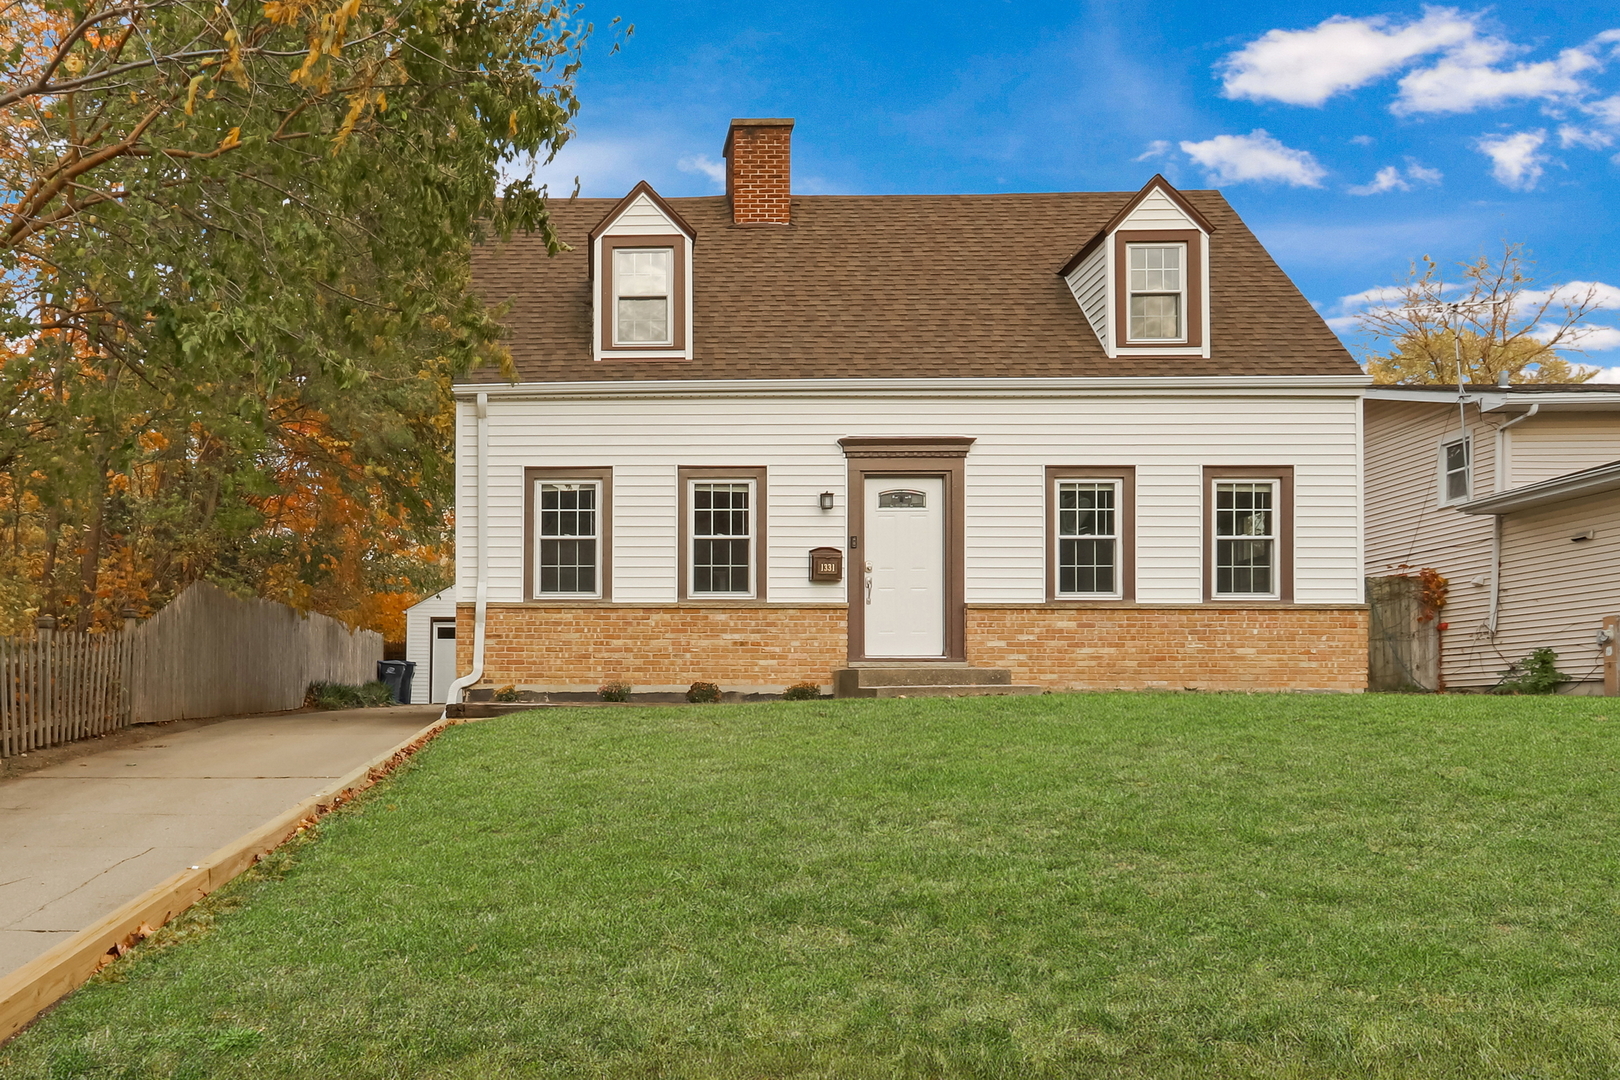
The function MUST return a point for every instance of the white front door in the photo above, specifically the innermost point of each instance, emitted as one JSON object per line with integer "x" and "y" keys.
{"x": 441, "y": 659}
{"x": 905, "y": 566}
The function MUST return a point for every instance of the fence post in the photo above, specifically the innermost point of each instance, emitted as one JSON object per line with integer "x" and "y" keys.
{"x": 126, "y": 668}
{"x": 45, "y": 683}
{"x": 1611, "y": 661}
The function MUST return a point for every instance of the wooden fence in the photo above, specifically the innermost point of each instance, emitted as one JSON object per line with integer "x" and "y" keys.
{"x": 206, "y": 654}
{"x": 61, "y": 687}
{"x": 1403, "y": 637}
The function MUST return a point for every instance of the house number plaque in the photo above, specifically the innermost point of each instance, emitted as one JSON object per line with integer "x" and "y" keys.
{"x": 826, "y": 564}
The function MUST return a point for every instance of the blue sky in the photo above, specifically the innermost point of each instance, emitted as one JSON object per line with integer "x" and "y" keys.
{"x": 1353, "y": 138}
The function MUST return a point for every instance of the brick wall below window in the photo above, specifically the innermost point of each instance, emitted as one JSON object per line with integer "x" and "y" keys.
{"x": 765, "y": 649}
{"x": 1131, "y": 648}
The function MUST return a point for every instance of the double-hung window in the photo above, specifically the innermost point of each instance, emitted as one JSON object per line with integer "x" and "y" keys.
{"x": 1157, "y": 292}
{"x": 568, "y": 533}
{"x": 1455, "y": 462}
{"x": 1246, "y": 534}
{"x": 1090, "y": 532}
{"x": 1088, "y": 538}
{"x": 643, "y": 280}
{"x": 724, "y": 532}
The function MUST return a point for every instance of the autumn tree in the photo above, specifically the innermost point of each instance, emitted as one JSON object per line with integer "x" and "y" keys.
{"x": 233, "y": 265}
{"x": 1493, "y": 321}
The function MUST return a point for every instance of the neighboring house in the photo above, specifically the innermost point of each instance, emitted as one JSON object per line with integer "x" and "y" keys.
{"x": 1089, "y": 439}
{"x": 430, "y": 643}
{"x": 1513, "y": 494}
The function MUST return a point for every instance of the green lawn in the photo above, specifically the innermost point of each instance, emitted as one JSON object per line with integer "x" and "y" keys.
{"x": 1111, "y": 885}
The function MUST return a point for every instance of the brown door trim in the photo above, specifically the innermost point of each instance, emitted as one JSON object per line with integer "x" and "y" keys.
{"x": 945, "y": 458}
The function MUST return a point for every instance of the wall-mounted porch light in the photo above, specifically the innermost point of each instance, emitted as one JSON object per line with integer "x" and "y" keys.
{"x": 826, "y": 500}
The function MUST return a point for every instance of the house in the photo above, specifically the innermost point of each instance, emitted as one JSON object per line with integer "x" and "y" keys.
{"x": 430, "y": 643}
{"x": 1088, "y": 439}
{"x": 1512, "y": 493}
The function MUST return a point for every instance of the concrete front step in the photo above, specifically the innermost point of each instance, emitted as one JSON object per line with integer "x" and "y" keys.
{"x": 937, "y": 690}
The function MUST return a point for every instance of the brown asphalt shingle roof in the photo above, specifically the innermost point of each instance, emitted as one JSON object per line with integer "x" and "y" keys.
{"x": 898, "y": 286}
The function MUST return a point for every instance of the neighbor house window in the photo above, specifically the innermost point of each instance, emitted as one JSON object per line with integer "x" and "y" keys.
{"x": 723, "y": 531}
{"x": 1157, "y": 283}
{"x": 1088, "y": 538}
{"x": 1089, "y": 531}
{"x": 568, "y": 533}
{"x": 1246, "y": 538}
{"x": 643, "y": 280}
{"x": 1455, "y": 460}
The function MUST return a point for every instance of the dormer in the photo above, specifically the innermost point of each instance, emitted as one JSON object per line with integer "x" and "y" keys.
{"x": 641, "y": 280}
{"x": 1143, "y": 279}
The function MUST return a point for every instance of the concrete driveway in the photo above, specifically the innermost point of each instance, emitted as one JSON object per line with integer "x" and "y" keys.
{"x": 81, "y": 837}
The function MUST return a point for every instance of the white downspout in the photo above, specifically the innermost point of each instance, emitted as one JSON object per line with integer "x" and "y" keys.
{"x": 1496, "y": 530}
{"x": 481, "y": 598}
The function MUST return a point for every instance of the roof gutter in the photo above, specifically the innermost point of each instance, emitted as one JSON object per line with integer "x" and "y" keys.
{"x": 1593, "y": 481}
{"x": 480, "y": 607}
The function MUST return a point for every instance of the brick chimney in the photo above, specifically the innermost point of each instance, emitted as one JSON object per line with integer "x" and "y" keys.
{"x": 759, "y": 171}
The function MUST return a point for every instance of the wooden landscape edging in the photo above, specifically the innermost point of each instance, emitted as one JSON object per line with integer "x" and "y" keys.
{"x": 46, "y": 979}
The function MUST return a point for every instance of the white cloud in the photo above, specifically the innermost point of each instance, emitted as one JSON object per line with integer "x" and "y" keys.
{"x": 1362, "y": 140}
{"x": 1387, "y": 179}
{"x": 701, "y": 163}
{"x": 1156, "y": 148}
{"x": 1516, "y": 159}
{"x": 1306, "y": 67}
{"x": 1234, "y": 159}
{"x": 1390, "y": 178}
{"x": 1606, "y": 111}
{"x": 1602, "y": 295}
{"x": 1465, "y": 80}
{"x": 1377, "y": 296}
{"x": 1422, "y": 174}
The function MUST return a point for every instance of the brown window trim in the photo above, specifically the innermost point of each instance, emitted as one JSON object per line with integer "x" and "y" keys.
{"x": 1125, "y": 533}
{"x": 946, "y": 458}
{"x": 1195, "y": 285}
{"x": 1284, "y": 475}
{"x": 677, "y": 299}
{"x": 603, "y": 474}
{"x": 685, "y": 474}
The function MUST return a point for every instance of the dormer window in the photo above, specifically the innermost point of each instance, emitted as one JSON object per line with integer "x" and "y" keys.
{"x": 641, "y": 263}
{"x": 1158, "y": 291}
{"x": 642, "y": 279}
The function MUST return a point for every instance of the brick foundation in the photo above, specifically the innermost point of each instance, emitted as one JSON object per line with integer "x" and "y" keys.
{"x": 1174, "y": 648}
{"x": 764, "y": 649}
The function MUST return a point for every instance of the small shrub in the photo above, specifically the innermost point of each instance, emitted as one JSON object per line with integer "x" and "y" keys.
{"x": 325, "y": 695}
{"x": 802, "y": 691}
{"x": 1536, "y": 674}
{"x": 614, "y": 691}
{"x": 703, "y": 693}
{"x": 506, "y": 693}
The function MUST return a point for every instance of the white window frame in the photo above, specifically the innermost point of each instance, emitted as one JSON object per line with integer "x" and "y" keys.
{"x": 540, "y": 484}
{"x": 1444, "y": 471}
{"x": 669, "y": 297}
{"x": 1181, "y": 293}
{"x": 1275, "y": 537}
{"x": 752, "y": 536}
{"x": 1058, "y": 536}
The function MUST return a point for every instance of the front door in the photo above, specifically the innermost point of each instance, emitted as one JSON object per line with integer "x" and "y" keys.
{"x": 905, "y": 566}
{"x": 441, "y": 659}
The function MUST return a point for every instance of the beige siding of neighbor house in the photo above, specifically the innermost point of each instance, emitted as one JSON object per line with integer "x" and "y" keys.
{"x": 1555, "y": 592}
{"x": 1169, "y": 439}
{"x": 1547, "y": 446}
{"x": 1408, "y": 529}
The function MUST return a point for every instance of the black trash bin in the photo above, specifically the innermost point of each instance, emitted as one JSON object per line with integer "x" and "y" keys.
{"x": 396, "y": 675}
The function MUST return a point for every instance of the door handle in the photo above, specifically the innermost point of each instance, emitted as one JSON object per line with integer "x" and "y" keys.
{"x": 868, "y": 584}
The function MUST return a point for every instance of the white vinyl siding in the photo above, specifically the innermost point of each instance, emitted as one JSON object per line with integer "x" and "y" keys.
{"x": 1551, "y": 445}
{"x": 1555, "y": 592}
{"x": 641, "y": 218}
{"x": 1169, "y": 439}
{"x": 1158, "y": 211}
{"x": 1408, "y": 528}
{"x": 1089, "y": 284}
{"x": 418, "y": 644}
